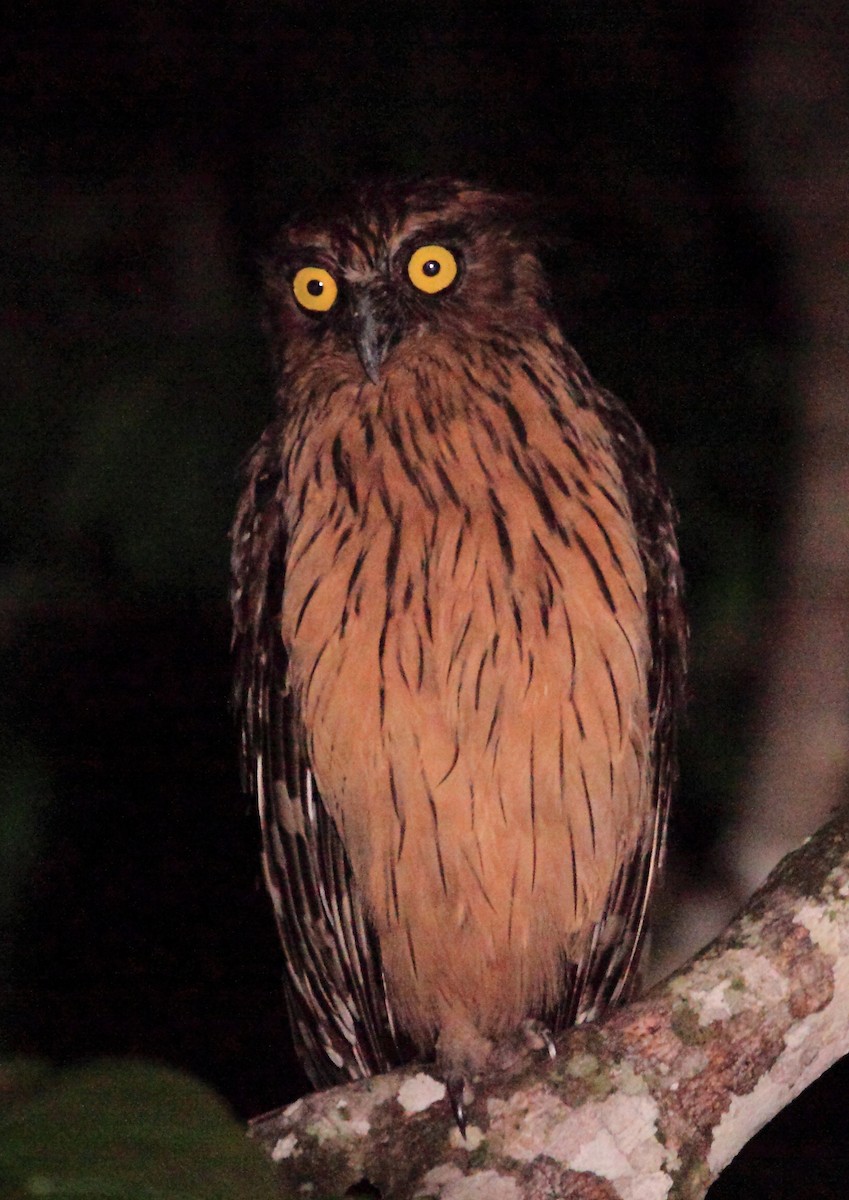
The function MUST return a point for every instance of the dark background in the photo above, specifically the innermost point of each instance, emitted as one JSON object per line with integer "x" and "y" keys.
{"x": 148, "y": 152}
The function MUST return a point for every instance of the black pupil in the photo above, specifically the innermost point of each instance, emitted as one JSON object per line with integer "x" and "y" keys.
{"x": 315, "y": 287}
{"x": 431, "y": 267}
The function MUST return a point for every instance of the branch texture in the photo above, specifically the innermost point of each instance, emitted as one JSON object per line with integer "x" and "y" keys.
{"x": 652, "y": 1103}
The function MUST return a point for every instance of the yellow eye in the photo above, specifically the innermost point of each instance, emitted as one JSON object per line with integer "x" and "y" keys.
{"x": 432, "y": 269}
{"x": 315, "y": 289}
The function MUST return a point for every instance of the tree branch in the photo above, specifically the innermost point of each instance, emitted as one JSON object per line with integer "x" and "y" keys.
{"x": 653, "y": 1102}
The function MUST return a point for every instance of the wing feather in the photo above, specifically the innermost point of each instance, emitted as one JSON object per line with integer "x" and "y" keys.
{"x": 607, "y": 974}
{"x": 335, "y": 991}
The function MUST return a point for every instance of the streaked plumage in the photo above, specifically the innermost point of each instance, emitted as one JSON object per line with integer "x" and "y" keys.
{"x": 459, "y": 641}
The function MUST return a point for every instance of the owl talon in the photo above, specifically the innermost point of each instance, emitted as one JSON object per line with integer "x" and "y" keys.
{"x": 537, "y": 1036}
{"x": 456, "y": 1086}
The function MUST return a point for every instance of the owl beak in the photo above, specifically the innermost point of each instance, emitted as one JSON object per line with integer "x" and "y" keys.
{"x": 372, "y": 332}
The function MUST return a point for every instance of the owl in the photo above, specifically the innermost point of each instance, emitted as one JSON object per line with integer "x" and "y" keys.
{"x": 459, "y": 642}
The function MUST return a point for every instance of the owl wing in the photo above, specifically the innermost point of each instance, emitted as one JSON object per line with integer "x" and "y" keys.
{"x": 608, "y": 973}
{"x": 341, "y": 1022}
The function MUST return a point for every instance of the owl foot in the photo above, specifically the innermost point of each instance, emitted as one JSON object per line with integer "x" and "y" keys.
{"x": 461, "y": 1055}
{"x": 538, "y": 1037}
{"x": 520, "y": 1048}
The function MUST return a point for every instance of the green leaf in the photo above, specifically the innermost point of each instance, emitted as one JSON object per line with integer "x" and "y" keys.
{"x": 123, "y": 1130}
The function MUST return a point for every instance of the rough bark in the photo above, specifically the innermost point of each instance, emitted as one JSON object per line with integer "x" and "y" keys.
{"x": 654, "y": 1102}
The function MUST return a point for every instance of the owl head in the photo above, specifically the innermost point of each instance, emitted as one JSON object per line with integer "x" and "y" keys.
{"x": 393, "y": 275}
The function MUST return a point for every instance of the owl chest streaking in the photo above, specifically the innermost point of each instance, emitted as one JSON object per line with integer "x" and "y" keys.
{"x": 459, "y": 642}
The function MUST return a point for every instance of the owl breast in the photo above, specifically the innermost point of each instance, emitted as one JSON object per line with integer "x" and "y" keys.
{"x": 465, "y": 619}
